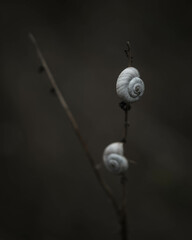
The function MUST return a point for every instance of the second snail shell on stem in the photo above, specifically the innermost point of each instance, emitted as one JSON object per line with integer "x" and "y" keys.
{"x": 113, "y": 158}
{"x": 130, "y": 87}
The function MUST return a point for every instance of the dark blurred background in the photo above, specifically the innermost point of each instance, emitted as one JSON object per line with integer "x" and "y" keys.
{"x": 48, "y": 189}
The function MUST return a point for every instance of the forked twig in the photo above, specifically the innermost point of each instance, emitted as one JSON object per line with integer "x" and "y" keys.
{"x": 71, "y": 118}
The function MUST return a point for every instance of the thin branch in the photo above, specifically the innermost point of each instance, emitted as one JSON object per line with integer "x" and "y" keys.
{"x": 126, "y": 107}
{"x": 128, "y": 53}
{"x": 123, "y": 217}
{"x": 71, "y": 118}
{"x": 123, "y": 209}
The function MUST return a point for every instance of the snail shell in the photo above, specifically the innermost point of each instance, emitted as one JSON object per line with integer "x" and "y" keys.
{"x": 129, "y": 85}
{"x": 113, "y": 158}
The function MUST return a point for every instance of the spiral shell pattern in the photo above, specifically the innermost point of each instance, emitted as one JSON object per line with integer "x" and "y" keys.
{"x": 130, "y": 86}
{"x": 113, "y": 158}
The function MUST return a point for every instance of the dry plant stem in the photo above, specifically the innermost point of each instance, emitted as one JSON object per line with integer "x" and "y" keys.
{"x": 123, "y": 216}
{"x": 126, "y": 124}
{"x": 128, "y": 53}
{"x": 102, "y": 182}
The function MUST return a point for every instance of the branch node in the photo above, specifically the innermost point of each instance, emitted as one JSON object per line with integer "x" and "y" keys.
{"x": 125, "y": 106}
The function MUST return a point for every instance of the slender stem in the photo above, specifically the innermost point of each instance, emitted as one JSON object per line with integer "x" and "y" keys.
{"x": 123, "y": 217}
{"x": 126, "y": 124}
{"x": 74, "y": 124}
{"x": 128, "y": 53}
{"x": 126, "y": 107}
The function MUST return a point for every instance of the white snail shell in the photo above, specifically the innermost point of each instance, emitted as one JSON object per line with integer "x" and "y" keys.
{"x": 113, "y": 158}
{"x": 129, "y": 85}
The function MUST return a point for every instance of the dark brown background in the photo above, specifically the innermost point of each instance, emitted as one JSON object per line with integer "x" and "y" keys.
{"x": 48, "y": 190}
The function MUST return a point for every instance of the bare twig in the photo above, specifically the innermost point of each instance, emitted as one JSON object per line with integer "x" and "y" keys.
{"x": 123, "y": 217}
{"x": 71, "y": 118}
{"x": 123, "y": 208}
{"x": 128, "y": 54}
{"x": 126, "y": 107}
